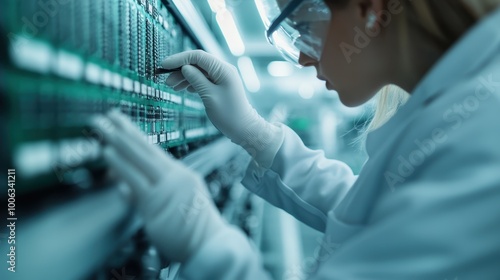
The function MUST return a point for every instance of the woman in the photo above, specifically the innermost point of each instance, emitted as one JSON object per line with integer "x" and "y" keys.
{"x": 425, "y": 205}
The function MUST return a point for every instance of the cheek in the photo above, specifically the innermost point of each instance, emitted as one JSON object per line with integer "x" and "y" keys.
{"x": 334, "y": 63}
{"x": 348, "y": 73}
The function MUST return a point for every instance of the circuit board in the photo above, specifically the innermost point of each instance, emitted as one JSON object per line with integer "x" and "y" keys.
{"x": 69, "y": 60}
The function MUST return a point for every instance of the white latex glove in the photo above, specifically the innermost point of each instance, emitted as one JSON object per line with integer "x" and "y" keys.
{"x": 179, "y": 215}
{"x": 223, "y": 95}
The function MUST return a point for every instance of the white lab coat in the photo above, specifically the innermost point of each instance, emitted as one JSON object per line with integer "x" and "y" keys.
{"x": 426, "y": 204}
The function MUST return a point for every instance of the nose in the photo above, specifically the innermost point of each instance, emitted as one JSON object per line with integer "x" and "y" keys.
{"x": 306, "y": 60}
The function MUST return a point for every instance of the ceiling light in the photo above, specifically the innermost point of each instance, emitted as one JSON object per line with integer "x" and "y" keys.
{"x": 280, "y": 69}
{"x": 230, "y": 31}
{"x": 248, "y": 74}
{"x": 306, "y": 91}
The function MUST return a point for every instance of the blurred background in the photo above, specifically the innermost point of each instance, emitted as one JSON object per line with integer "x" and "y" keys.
{"x": 64, "y": 61}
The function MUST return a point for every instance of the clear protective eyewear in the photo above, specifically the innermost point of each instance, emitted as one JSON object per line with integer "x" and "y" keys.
{"x": 295, "y": 26}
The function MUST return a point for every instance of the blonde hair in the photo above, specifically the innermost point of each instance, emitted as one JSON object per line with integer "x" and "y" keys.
{"x": 389, "y": 99}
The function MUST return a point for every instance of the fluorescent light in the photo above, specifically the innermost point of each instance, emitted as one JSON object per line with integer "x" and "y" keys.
{"x": 306, "y": 91}
{"x": 217, "y": 5}
{"x": 280, "y": 68}
{"x": 248, "y": 74}
{"x": 262, "y": 12}
{"x": 230, "y": 32}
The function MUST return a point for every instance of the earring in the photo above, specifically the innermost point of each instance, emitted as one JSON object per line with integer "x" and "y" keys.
{"x": 372, "y": 19}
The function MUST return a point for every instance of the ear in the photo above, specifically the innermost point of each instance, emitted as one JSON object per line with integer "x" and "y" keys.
{"x": 378, "y": 6}
{"x": 372, "y": 13}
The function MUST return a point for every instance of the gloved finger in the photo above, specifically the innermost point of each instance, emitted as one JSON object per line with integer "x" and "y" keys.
{"x": 137, "y": 152}
{"x": 136, "y": 181}
{"x": 125, "y": 191}
{"x": 158, "y": 160}
{"x": 191, "y": 89}
{"x": 123, "y": 123}
{"x": 175, "y": 79}
{"x": 207, "y": 63}
{"x": 197, "y": 79}
{"x": 101, "y": 126}
{"x": 181, "y": 86}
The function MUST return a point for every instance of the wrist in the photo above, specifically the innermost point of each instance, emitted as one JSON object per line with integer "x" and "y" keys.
{"x": 230, "y": 249}
{"x": 209, "y": 224}
{"x": 260, "y": 138}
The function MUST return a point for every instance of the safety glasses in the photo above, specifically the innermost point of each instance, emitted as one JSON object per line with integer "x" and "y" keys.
{"x": 295, "y": 26}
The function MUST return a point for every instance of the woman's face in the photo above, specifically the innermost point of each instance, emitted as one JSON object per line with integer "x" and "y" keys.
{"x": 352, "y": 63}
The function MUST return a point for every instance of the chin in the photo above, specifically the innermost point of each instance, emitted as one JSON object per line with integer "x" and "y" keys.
{"x": 350, "y": 99}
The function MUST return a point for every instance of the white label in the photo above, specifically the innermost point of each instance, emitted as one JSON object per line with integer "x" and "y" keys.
{"x": 30, "y": 54}
{"x": 196, "y": 132}
{"x": 117, "y": 81}
{"x": 176, "y": 99}
{"x": 128, "y": 84}
{"x": 163, "y": 137}
{"x": 174, "y": 135}
{"x": 107, "y": 78}
{"x": 137, "y": 87}
{"x": 93, "y": 73}
{"x": 193, "y": 104}
{"x": 68, "y": 65}
{"x": 35, "y": 158}
{"x": 144, "y": 89}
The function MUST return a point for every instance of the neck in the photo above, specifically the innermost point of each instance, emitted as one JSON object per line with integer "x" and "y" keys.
{"x": 421, "y": 38}
{"x": 412, "y": 57}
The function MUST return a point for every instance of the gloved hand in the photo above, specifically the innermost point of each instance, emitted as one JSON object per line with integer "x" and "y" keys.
{"x": 222, "y": 93}
{"x": 179, "y": 215}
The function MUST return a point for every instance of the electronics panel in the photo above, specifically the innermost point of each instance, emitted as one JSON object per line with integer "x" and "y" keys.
{"x": 62, "y": 62}
{"x": 68, "y": 60}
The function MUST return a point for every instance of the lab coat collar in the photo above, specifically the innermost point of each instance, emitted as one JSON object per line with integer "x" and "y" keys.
{"x": 469, "y": 55}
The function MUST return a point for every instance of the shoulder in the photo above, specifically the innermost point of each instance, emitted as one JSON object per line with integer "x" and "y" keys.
{"x": 468, "y": 109}
{"x": 455, "y": 131}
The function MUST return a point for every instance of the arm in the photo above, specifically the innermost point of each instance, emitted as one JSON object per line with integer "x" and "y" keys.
{"x": 227, "y": 256}
{"x": 181, "y": 222}
{"x": 301, "y": 181}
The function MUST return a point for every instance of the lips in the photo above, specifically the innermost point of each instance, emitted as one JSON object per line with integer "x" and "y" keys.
{"x": 330, "y": 86}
